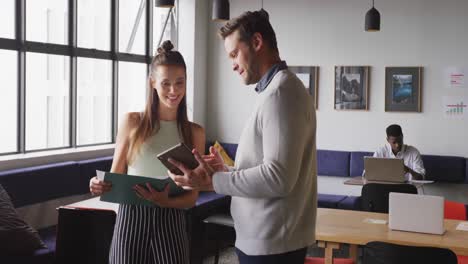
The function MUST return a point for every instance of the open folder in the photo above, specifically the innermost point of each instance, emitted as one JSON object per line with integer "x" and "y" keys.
{"x": 122, "y": 191}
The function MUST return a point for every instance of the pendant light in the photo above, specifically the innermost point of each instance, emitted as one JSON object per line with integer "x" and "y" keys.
{"x": 164, "y": 3}
{"x": 372, "y": 19}
{"x": 220, "y": 10}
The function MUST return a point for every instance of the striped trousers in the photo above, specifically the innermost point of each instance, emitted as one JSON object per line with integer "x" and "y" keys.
{"x": 144, "y": 234}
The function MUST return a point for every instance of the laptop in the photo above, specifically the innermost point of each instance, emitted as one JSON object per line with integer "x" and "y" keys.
{"x": 385, "y": 170}
{"x": 416, "y": 213}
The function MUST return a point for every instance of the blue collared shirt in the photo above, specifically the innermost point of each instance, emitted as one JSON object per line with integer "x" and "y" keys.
{"x": 266, "y": 79}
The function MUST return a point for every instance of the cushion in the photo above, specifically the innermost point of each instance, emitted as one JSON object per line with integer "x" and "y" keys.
{"x": 444, "y": 168}
{"x": 329, "y": 200}
{"x": 43, "y": 183}
{"x": 227, "y": 160}
{"x": 357, "y": 162}
{"x": 21, "y": 238}
{"x": 333, "y": 163}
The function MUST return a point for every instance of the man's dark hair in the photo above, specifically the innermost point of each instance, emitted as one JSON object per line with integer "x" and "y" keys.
{"x": 394, "y": 131}
{"x": 250, "y": 23}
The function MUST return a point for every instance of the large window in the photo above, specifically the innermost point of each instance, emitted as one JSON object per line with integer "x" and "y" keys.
{"x": 132, "y": 87}
{"x": 47, "y": 21}
{"x": 7, "y": 19}
{"x": 72, "y": 68}
{"x": 8, "y": 101}
{"x": 163, "y": 20}
{"x": 47, "y": 101}
{"x": 94, "y": 109}
{"x": 94, "y": 24}
{"x": 132, "y": 27}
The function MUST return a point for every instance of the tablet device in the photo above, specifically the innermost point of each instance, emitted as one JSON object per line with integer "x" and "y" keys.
{"x": 181, "y": 153}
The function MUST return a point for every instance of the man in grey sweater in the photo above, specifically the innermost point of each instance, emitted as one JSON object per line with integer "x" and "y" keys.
{"x": 274, "y": 181}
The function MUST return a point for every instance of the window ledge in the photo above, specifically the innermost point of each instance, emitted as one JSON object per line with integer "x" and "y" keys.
{"x": 52, "y": 156}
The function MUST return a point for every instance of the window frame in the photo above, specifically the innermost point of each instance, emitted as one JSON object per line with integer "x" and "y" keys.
{"x": 71, "y": 50}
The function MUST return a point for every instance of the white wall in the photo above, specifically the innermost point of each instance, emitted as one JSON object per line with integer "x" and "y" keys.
{"x": 325, "y": 33}
{"x": 193, "y": 21}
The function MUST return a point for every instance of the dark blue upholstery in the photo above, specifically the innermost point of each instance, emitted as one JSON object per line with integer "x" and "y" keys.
{"x": 88, "y": 170}
{"x": 329, "y": 200}
{"x": 357, "y": 162}
{"x": 41, "y": 183}
{"x": 42, "y": 256}
{"x": 333, "y": 163}
{"x": 48, "y": 235}
{"x": 445, "y": 168}
{"x": 466, "y": 172}
{"x": 350, "y": 203}
{"x": 230, "y": 149}
{"x": 206, "y": 197}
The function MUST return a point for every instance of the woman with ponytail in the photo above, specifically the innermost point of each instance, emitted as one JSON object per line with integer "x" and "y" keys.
{"x": 156, "y": 234}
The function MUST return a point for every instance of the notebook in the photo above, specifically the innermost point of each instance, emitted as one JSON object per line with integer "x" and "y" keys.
{"x": 416, "y": 213}
{"x": 386, "y": 170}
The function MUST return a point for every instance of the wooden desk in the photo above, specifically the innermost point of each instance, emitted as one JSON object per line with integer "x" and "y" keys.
{"x": 335, "y": 227}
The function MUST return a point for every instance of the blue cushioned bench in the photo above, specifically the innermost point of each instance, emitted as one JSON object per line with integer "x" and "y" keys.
{"x": 351, "y": 164}
{"x": 38, "y": 184}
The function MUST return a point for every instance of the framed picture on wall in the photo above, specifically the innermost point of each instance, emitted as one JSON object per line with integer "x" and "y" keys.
{"x": 309, "y": 76}
{"x": 352, "y": 87}
{"x": 403, "y": 89}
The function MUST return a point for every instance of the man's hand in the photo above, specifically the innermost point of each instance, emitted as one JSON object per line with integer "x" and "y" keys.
{"x": 215, "y": 160}
{"x": 161, "y": 199}
{"x": 198, "y": 179}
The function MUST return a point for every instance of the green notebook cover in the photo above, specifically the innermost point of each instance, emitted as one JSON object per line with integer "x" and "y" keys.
{"x": 122, "y": 188}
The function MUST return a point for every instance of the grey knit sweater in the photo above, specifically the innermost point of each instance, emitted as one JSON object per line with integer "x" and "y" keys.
{"x": 274, "y": 181}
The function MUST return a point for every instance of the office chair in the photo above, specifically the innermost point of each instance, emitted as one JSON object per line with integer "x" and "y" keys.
{"x": 386, "y": 253}
{"x": 220, "y": 228}
{"x": 374, "y": 196}
{"x": 84, "y": 235}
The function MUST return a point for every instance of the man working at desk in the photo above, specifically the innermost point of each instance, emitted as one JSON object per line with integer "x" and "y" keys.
{"x": 414, "y": 167}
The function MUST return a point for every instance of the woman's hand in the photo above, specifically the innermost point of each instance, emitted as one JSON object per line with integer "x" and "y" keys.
{"x": 98, "y": 187}
{"x": 161, "y": 199}
{"x": 215, "y": 160}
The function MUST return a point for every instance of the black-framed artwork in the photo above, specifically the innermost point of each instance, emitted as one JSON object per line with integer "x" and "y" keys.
{"x": 403, "y": 89}
{"x": 309, "y": 76}
{"x": 352, "y": 87}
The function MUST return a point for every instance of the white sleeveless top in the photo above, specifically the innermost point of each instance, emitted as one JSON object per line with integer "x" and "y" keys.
{"x": 145, "y": 162}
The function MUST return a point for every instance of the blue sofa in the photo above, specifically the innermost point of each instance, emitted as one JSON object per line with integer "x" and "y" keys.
{"x": 333, "y": 163}
{"x": 351, "y": 164}
{"x": 38, "y": 184}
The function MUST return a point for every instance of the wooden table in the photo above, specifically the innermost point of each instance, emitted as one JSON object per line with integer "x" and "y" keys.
{"x": 335, "y": 227}
{"x": 95, "y": 203}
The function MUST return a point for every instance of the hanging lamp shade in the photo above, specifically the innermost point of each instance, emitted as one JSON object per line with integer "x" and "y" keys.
{"x": 164, "y": 3}
{"x": 220, "y": 10}
{"x": 372, "y": 20}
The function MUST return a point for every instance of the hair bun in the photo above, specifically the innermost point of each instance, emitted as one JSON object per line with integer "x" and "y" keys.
{"x": 166, "y": 46}
{"x": 263, "y": 13}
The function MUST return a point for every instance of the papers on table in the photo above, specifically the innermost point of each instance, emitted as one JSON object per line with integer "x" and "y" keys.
{"x": 462, "y": 226}
{"x": 375, "y": 221}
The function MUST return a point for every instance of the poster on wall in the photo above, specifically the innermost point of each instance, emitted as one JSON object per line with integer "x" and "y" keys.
{"x": 455, "y": 77}
{"x": 309, "y": 77}
{"x": 455, "y": 107}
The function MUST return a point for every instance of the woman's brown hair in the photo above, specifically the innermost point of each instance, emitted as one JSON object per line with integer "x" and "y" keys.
{"x": 149, "y": 122}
